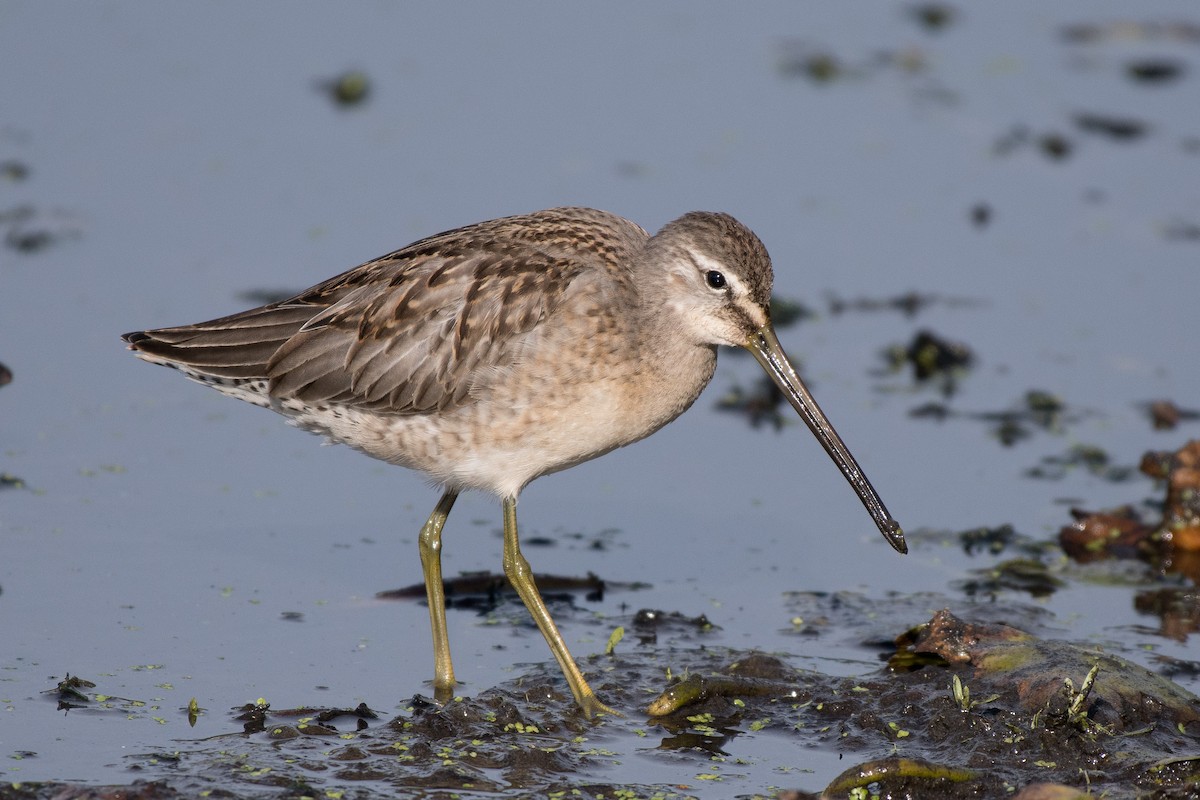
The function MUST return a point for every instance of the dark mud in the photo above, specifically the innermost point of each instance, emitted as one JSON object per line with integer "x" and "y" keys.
{"x": 958, "y": 710}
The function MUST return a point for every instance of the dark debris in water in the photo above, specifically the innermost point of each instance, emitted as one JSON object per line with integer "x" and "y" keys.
{"x": 263, "y": 296}
{"x": 762, "y": 403}
{"x": 933, "y": 359}
{"x": 72, "y": 691}
{"x": 1052, "y": 144}
{"x": 990, "y": 541}
{"x": 1172, "y": 543}
{"x": 1037, "y": 410}
{"x": 1165, "y": 415}
{"x": 1116, "y": 533}
{"x": 822, "y": 66}
{"x": 1180, "y": 470}
{"x": 981, "y": 214}
{"x": 648, "y": 623}
{"x": 76, "y": 694}
{"x": 29, "y": 230}
{"x": 1126, "y": 30}
{"x": 1182, "y": 230}
{"x": 485, "y": 590}
{"x": 987, "y": 540}
{"x": 1031, "y": 565}
{"x": 257, "y": 716}
{"x": 786, "y": 312}
{"x": 1028, "y": 575}
{"x": 1092, "y": 459}
{"x": 799, "y": 60}
{"x": 1155, "y": 70}
{"x": 933, "y": 17}
{"x": 909, "y": 304}
{"x": 347, "y": 90}
{"x": 13, "y": 170}
{"x": 1119, "y": 129}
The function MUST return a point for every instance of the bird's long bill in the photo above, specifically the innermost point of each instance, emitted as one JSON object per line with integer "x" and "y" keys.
{"x": 766, "y": 348}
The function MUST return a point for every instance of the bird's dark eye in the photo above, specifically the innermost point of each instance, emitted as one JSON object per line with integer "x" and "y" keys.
{"x": 715, "y": 279}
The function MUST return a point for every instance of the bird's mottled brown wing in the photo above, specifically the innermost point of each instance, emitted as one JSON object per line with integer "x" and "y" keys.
{"x": 418, "y": 331}
{"x": 236, "y": 347}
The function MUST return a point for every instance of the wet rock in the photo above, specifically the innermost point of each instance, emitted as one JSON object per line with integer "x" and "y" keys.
{"x": 903, "y": 777}
{"x": 960, "y": 722}
{"x": 1122, "y": 697}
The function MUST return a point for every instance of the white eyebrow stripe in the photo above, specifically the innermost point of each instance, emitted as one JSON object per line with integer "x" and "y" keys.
{"x": 739, "y": 293}
{"x": 707, "y": 263}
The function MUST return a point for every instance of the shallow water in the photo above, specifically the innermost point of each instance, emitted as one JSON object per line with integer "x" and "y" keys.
{"x": 159, "y": 536}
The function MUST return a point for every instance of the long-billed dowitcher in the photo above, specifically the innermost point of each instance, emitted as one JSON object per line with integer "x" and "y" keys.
{"x": 493, "y": 354}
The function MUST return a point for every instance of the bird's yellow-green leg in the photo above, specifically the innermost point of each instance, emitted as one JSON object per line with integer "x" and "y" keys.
{"x": 520, "y": 575}
{"x": 430, "y": 545}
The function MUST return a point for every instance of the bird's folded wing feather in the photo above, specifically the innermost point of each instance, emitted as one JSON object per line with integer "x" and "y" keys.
{"x": 408, "y": 333}
{"x": 422, "y": 329}
{"x": 415, "y": 334}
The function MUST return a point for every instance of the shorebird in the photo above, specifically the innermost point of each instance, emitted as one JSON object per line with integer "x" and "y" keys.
{"x": 502, "y": 351}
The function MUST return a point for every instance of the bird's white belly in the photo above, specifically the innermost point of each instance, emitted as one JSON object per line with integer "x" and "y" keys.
{"x": 493, "y": 447}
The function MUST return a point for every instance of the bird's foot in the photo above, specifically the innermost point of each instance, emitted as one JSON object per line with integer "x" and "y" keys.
{"x": 591, "y": 706}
